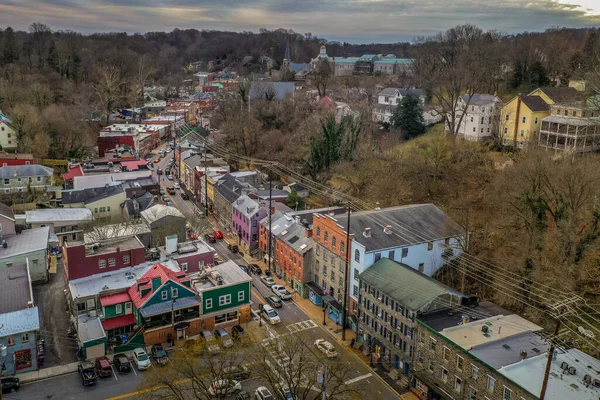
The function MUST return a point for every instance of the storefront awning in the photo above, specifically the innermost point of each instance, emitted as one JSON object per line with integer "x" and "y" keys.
{"x": 332, "y": 302}
{"x": 181, "y": 326}
{"x": 314, "y": 288}
{"x": 118, "y": 322}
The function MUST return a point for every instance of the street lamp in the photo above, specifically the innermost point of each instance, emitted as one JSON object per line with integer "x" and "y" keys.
{"x": 324, "y": 323}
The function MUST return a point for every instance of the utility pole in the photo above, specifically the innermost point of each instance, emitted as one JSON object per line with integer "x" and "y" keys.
{"x": 346, "y": 276}
{"x": 270, "y": 239}
{"x": 205, "y": 183}
{"x": 549, "y": 362}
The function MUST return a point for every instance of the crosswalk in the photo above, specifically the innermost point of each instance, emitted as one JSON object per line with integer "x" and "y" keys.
{"x": 301, "y": 326}
{"x": 272, "y": 346}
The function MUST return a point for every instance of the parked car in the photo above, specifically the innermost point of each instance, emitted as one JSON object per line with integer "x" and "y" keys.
{"x": 121, "y": 363}
{"x": 274, "y": 301}
{"x": 326, "y": 348}
{"x": 168, "y": 150}
{"x": 161, "y": 191}
{"x": 270, "y": 314}
{"x": 141, "y": 359}
{"x": 159, "y": 354}
{"x": 10, "y": 385}
{"x": 177, "y": 186}
{"x": 185, "y": 196}
{"x": 233, "y": 248}
{"x": 211, "y": 344}
{"x": 159, "y": 171}
{"x": 87, "y": 372}
{"x": 267, "y": 280}
{"x": 223, "y": 337}
{"x": 237, "y": 372}
{"x": 243, "y": 268}
{"x": 262, "y": 393}
{"x": 156, "y": 161}
{"x": 224, "y": 387}
{"x": 166, "y": 198}
{"x": 287, "y": 394}
{"x": 210, "y": 237}
{"x": 255, "y": 269}
{"x": 281, "y": 291}
{"x": 242, "y": 396}
{"x": 170, "y": 177}
{"x": 103, "y": 367}
{"x": 171, "y": 190}
{"x": 238, "y": 333}
{"x": 218, "y": 234}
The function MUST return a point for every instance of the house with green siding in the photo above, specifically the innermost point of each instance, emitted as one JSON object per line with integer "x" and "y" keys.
{"x": 224, "y": 292}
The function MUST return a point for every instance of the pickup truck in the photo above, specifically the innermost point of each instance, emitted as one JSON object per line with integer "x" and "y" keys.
{"x": 88, "y": 373}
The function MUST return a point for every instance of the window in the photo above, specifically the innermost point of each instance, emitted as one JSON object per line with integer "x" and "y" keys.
{"x": 184, "y": 267}
{"x": 431, "y": 365}
{"x": 481, "y": 130}
{"x": 174, "y": 293}
{"x": 333, "y": 242}
{"x": 566, "y": 113}
{"x": 342, "y": 247}
{"x": 355, "y": 291}
{"x": 524, "y": 119}
{"x": 558, "y": 111}
{"x": 471, "y": 119}
{"x": 474, "y": 129}
{"x": 96, "y": 209}
{"x": 101, "y": 263}
{"x": 457, "y": 384}
{"x": 6, "y": 181}
{"x": 536, "y": 120}
{"x": 432, "y": 343}
{"x": 472, "y": 393}
{"x": 490, "y": 384}
{"x": 429, "y": 246}
{"x": 102, "y": 209}
{"x": 225, "y": 300}
{"x": 357, "y": 255}
{"x": 208, "y": 304}
{"x": 318, "y": 250}
{"x": 574, "y": 113}
{"x": 126, "y": 260}
{"x": 507, "y": 117}
{"x": 474, "y": 372}
{"x": 108, "y": 208}
{"x": 377, "y": 257}
{"x": 164, "y": 295}
{"x": 405, "y": 252}
{"x": 446, "y": 353}
{"x": 444, "y": 374}
{"x": 522, "y": 133}
{"x": 356, "y": 273}
{"x": 459, "y": 363}
{"x": 505, "y": 130}
{"x": 119, "y": 308}
{"x": 39, "y": 178}
{"x": 10, "y": 340}
{"x": 318, "y": 231}
{"x": 241, "y": 295}
{"x": 391, "y": 254}
{"x": 25, "y": 337}
{"x": 111, "y": 262}
{"x": 326, "y": 237}
{"x": 421, "y": 267}
{"x": 506, "y": 393}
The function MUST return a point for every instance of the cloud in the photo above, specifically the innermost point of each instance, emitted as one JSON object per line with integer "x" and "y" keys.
{"x": 357, "y": 21}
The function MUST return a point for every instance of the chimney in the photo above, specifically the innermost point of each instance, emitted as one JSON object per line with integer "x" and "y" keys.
{"x": 522, "y": 355}
{"x": 367, "y": 232}
{"x": 308, "y": 233}
{"x": 387, "y": 230}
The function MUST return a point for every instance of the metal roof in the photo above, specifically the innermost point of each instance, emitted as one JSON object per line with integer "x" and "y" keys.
{"x": 280, "y": 89}
{"x": 91, "y": 195}
{"x": 165, "y": 306}
{"x": 13, "y": 323}
{"x": 19, "y": 171}
{"x": 159, "y": 211}
{"x": 50, "y": 215}
{"x": 15, "y": 288}
{"x": 28, "y": 241}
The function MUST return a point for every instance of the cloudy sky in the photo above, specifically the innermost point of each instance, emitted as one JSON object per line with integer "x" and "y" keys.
{"x": 357, "y": 21}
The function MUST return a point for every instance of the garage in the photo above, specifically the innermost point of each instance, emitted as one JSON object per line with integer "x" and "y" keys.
{"x": 97, "y": 350}
{"x": 91, "y": 337}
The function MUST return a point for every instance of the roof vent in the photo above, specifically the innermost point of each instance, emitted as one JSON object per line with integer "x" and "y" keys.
{"x": 572, "y": 370}
{"x": 387, "y": 230}
{"x": 564, "y": 366}
{"x": 367, "y": 232}
{"x": 522, "y": 355}
{"x": 485, "y": 329}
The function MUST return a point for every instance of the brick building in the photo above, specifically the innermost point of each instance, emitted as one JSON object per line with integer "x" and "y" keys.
{"x": 294, "y": 256}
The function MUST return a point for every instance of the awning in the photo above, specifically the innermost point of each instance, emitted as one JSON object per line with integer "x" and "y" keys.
{"x": 181, "y": 326}
{"x": 314, "y": 288}
{"x": 118, "y": 322}
{"x": 112, "y": 299}
{"x": 332, "y": 302}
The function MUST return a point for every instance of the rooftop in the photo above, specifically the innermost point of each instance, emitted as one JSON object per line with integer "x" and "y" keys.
{"x": 407, "y": 286}
{"x": 189, "y": 248}
{"x": 158, "y": 272}
{"x": 139, "y": 204}
{"x": 28, "y": 241}
{"x": 13, "y": 323}
{"x": 159, "y": 211}
{"x": 15, "y": 289}
{"x": 563, "y": 94}
{"x": 229, "y": 271}
{"x": 535, "y": 103}
{"x": 573, "y": 121}
{"x": 116, "y": 298}
{"x": 50, "y": 215}
{"x": 488, "y": 330}
{"x": 89, "y": 328}
{"x": 115, "y": 231}
{"x": 440, "y": 320}
{"x": 258, "y": 90}
{"x": 529, "y": 374}
{"x": 7, "y": 212}
{"x": 510, "y": 350}
{"x": 412, "y": 224}
{"x": 481, "y": 99}
{"x": 109, "y": 245}
{"x": 246, "y": 205}
{"x": 88, "y": 181}
{"x": 295, "y": 237}
{"x": 91, "y": 195}
{"x": 16, "y": 171}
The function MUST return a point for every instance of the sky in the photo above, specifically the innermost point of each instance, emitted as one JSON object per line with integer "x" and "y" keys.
{"x": 355, "y": 21}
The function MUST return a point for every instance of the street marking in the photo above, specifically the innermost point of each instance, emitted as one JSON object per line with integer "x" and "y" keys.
{"x": 301, "y": 326}
{"x": 358, "y": 378}
{"x": 256, "y": 294}
{"x": 133, "y": 369}
{"x": 114, "y": 373}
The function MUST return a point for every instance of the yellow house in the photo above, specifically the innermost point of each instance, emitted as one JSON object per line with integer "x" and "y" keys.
{"x": 103, "y": 202}
{"x": 579, "y": 85}
{"x": 520, "y": 119}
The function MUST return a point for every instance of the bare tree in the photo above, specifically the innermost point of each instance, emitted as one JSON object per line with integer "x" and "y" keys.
{"x": 321, "y": 76}
{"x": 144, "y": 72}
{"x": 40, "y": 35}
{"x": 108, "y": 88}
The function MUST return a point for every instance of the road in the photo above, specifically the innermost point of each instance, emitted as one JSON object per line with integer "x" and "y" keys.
{"x": 293, "y": 318}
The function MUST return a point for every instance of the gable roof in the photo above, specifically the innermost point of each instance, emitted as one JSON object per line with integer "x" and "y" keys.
{"x": 51, "y": 215}
{"x": 562, "y": 94}
{"x": 16, "y": 171}
{"x": 144, "y": 201}
{"x": 246, "y": 206}
{"x": 295, "y": 237}
{"x": 156, "y": 271}
{"x": 7, "y": 212}
{"x": 412, "y": 224}
{"x": 297, "y": 67}
{"x": 535, "y": 103}
{"x": 159, "y": 211}
{"x": 20, "y": 321}
{"x": 5, "y": 119}
{"x": 73, "y": 172}
{"x": 230, "y": 188}
{"x": 91, "y": 195}
{"x": 481, "y": 99}
{"x": 410, "y": 288}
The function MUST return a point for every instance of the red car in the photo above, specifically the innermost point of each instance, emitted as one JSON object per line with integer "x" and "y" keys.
{"x": 218, "y": 234}
{"x": 156, "y": 161}
{"x": 103, "y": 367}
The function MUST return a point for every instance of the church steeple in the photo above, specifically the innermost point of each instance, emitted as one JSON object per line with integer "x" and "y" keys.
{"x": 287, "y": 57}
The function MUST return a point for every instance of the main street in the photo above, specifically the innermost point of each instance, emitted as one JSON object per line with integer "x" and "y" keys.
{"x": 294, "y": 320}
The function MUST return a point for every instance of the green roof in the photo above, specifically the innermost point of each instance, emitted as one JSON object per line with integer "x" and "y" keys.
{"x": 407, "y": 286}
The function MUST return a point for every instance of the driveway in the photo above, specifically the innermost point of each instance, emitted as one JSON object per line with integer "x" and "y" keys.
{"x": 54, "y": 320}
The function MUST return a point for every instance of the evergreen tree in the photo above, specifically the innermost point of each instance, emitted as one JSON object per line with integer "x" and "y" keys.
{"x": 537, "y": 75}
{"x": 11, "y": 47}
{"x": 408, "y": 117}
{"x": 52, "y": 59}
{"x": 294, "y": 201}
{"x": 518, "y": 72}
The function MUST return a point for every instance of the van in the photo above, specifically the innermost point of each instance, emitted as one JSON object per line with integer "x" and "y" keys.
{"x": 223, "y": 336}
{"x": 270, "y": 314}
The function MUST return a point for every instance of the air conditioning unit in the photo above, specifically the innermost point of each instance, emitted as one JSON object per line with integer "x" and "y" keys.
{"x": 572, "y": 370}
{"x": 564, "y": 366}
{"x": 587, "y": 379}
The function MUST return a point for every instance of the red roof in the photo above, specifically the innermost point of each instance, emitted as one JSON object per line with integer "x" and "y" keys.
{"x": 326, "y": 102}
{"x": 133, "y": 165}
{"x": 73, "y": 172}
{"x": 117, "y": 322}
{"x": 157, "y": 271}
{"x": 112, "y": 299}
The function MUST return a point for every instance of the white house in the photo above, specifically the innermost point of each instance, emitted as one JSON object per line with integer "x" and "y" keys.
{"x": 421, "y": 236}
{"x": 389, "y": 98}
{"x": 8, "y": 133}
{"x": 480, "y": 116}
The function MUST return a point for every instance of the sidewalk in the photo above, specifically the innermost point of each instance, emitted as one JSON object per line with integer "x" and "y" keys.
{"x": 46, "y": 373}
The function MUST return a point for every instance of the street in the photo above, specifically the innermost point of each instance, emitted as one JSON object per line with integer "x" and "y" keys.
{"x": 294, "y": 320}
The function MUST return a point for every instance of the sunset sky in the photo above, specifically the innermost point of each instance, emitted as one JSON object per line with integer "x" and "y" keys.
{"x": 357, "y": 21}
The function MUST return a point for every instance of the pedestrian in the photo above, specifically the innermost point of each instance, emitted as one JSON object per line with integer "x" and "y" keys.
{"x": 352, "y": 342}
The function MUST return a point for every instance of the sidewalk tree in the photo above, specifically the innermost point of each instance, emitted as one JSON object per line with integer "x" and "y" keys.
{"x": 408, "y": 117}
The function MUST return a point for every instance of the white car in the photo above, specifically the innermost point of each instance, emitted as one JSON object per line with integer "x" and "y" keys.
{"x": 141, "y": 359}
{"x": 267, "y": 280}
{"x": 281, "y": 291}
{"x": 270, "y": 314}
{"x": 177, "y": 186}
{"x": 223, "y": 387}
{"x": 326, "y": 348}
{"x": 168, "y": 150}
{"x": 262, "y": 393}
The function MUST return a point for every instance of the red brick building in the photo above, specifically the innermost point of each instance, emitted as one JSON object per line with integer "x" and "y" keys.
{"x": 294, "y": 256}
{"x": 81, "y": 260}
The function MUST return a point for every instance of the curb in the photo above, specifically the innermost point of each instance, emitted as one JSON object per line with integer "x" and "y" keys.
{"x": 38, "y": 379}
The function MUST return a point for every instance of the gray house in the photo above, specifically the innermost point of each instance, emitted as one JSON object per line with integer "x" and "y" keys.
{"x": 30, "y": 246}
{"x": 164, "y": 221}
{"x": 19, "y": 178}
